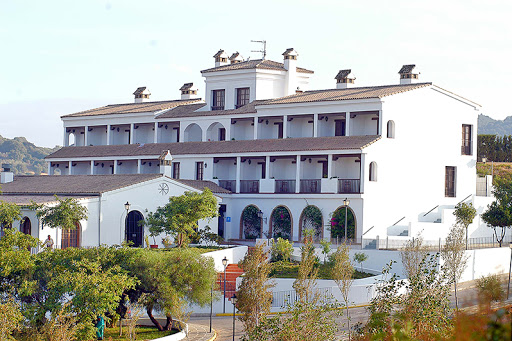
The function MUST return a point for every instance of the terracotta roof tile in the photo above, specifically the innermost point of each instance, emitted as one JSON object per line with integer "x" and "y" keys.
{"x": 219, "y": 147}
{"x": 129, "y": 108}
{"x": 347, "y": 94}
{"x": 202, "y": 184}
{"x": 343, "y": 74}
{"x": 407, "y": 68}
{"x": 190, "y": 110}
{"x": 72, "y": 184}
{"x": 27, "y": 199}
{"x": 255, "y": 64}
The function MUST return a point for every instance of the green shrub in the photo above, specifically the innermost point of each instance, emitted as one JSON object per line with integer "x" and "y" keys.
{"x": 489, "y": 289}
{"x": 281, "y": 250}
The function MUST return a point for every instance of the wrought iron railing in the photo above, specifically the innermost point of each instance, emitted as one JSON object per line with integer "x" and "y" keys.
{"x": 349, "y": 186}
{"x": 310, "y": 186}
{"x": 230, "y": 185}
{"x": 249, "y": 186}
{"x": 285, "y": 186}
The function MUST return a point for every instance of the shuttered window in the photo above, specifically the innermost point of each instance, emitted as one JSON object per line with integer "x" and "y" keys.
{"x": 449, "y": 182}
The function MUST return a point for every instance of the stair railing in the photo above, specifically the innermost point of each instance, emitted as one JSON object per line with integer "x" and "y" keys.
{"x": 431, "y": 210}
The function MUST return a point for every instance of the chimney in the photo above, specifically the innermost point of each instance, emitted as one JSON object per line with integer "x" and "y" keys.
{"x": 236, "y": 58}
{"x": 221, "y": 58}
{"x": 6, "y": 175}
{"x": 408, "y": 75}
{"x": 166, "y": 163}
{"x": 142, "y": 94}
{"x": 290, "y": 64}
{"x": 187, "y": 91}
{"x": 345, "y": 79}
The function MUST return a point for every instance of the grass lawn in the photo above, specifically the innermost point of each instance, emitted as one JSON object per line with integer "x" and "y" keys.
{"x": 291, "y": 269}
{"x": 142, "y": 333}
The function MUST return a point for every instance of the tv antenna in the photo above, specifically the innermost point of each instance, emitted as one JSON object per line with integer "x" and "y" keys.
{"x": 264, "y": 50}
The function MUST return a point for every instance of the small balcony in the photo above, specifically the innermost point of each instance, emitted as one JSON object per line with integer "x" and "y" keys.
{"x": 310, "y": 186}
{"x": 230, "y": 185}
{"x": 349, "y": 186}
{"x": 249, "y": 186}
{"x": 285, "y": 186}
{"x": 217, "y": 107}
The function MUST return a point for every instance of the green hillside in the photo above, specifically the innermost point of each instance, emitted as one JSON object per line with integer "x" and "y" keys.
{"x": 490, "y": 126}
{"x": 25, "y": 157}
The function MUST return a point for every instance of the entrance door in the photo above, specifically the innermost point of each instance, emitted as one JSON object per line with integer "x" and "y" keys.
{"x": 222, "y": 213}
{"x": 133, "y": 230}
{"x": 26, "y": 226}
{"x": 339, "y": 127}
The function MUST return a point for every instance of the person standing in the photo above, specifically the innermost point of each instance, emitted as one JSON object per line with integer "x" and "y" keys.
{"x": 100, "y": 327}
{"x": 49, "y": 242}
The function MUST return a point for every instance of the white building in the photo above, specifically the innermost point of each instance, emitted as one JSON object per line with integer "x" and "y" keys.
{"x": 394, "y": 151}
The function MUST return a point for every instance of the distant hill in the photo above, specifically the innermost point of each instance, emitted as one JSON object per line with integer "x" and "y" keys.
{"x": 25, "y": 157}
{"x": 490, "y": 126}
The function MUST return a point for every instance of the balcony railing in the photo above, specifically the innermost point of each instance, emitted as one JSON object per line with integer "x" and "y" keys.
{"x": 310, "y": 186}
{"x": 285, "y": 186}
{"x": 249, "y": 186}
{"x": 230, "y": 185}
{"x": 347, "y": 186}
{"x": 217, "y": 107}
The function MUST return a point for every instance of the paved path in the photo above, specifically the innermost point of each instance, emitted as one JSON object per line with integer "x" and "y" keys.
{"x": 199, "y": 332}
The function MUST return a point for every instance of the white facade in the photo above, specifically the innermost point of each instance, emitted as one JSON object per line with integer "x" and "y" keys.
{"x": 386, "y": 149}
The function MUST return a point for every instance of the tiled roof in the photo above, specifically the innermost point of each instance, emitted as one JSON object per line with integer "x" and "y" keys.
{"x": 255, "y": 64}
{"x": 128, "y": 108}
{"x": 190, "y": 110}
{"x": 343, "y": 74}
{"x": 407, "y": 68}
{"x": 347, "y": 94}
{"x": 219, "y": 147}
{"x": 186, "y": 86}
{"x": 139, "y": 90}
{"x": 72, "y": 184}
{"x": 201, "y": 184}
{"x": 27, "y": 199}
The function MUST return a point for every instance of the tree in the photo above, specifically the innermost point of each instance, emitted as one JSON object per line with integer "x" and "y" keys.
{"x": 464, "y": 215}
{"x": 167, "y": 280}
{"x": 499, "y": 212}
{"x": 360, "y": 257}
{"x": 412, "y": 254}
{"x": 9, "y": 212}
{"x": 281, "y": 250}
{"x": 342, "y": 272}
{"x": 65, "y": 214}
{"x": 454, "y": 256}
{"x": 254, "y": 294}
{"x": 10, "y": 319}
{"x": 326, "y": 247}
{"x": 179, "y": 217}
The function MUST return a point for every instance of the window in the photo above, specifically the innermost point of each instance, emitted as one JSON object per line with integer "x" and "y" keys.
{"x": 467, "y": 144}
{"x": 373, "y": 171}
{"x": 391, "y": 130}
{"x": 339, "y": 127}
{"x": 175, "y": 170}
{"x": 218, "y": 99}
{"x": 242, "y": 97}
{"x": 449, "y": 181}
{"x": 222, "y": 134}
{"x": 199, "y": 170}
{"x": 71, "y": 237}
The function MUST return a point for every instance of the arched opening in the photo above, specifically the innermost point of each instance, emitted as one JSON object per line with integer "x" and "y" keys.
{"x": 311, "y": 219}
{"x": 193, "y": 133}
{"x": 373, "y": 171}
{"x": 26, "y": 226}
{"x": 216, "y": 132}
{"x": 338, "y": 223}
{"x": 71, "y": 237}
{"x": 250, "y": 223}
{"x": 281, "y": 223}
{"x": 71, "y": 139}
{"x": 133, "y": 229}
{"x": 391, "y": 129}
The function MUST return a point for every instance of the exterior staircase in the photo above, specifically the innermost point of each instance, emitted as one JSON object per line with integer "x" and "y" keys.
{"x": 232, "y": 273}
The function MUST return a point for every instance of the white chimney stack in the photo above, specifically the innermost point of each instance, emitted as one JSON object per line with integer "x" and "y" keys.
{"x": 236, "y": 58}
{"x": 166, "y": 163}
{"x": 6, "y": 175}
{"x": 290, "y": 64}
{"x": 345, "y": 79}
{"x": 142, "y": 94}
{"x": 409, "y": 74}
{"x": 221, "y": 58}
{"x": 188, "y": 91}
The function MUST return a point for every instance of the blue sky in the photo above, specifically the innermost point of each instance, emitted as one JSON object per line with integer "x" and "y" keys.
{"x": 60, "y": 57}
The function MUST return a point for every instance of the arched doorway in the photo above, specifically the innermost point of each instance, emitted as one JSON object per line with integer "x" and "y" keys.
{"x": 216, "y": 132}
{"x": 71, "y": 237}
{"x": 281, "y": 223}
{"x": 133, "y": 229}
{"x": 311, "y": 219}
{"x": 338, "y": 223}
{"x": 193, "y": 133}
{"x": 26, "y": 226}
{"x": 250, "y": 223}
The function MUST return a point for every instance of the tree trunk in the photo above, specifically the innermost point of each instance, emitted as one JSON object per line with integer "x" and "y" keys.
{"x": 456, "y": 303}
{"x": 157, "y": 324}
{"x": 168, "y": 324}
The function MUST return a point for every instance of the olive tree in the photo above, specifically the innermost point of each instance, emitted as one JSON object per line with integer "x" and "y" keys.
{"x": 179, "y": 216}
{"x": 464, "y": 215}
